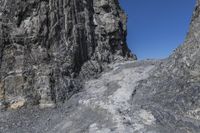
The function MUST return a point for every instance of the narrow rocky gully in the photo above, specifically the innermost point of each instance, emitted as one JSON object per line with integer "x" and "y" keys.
{"x": 103, "y": 106}
{"x": 65, "y": 67}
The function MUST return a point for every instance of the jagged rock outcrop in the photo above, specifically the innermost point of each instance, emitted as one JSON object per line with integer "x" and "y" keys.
{"x": 48, "y": 46}
{"x": 171, "y": 92}
{"x": 150, "y": 96}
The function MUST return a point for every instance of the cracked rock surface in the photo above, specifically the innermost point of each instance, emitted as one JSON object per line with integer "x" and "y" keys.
{"x": 105, "y": 106}
{"x": 149, "y": 96}
{"x": 48, "y": 47}
{"x": 119, "y": 101}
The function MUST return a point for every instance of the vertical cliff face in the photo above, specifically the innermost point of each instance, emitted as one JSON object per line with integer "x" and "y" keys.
{"x": 48, "y": 46}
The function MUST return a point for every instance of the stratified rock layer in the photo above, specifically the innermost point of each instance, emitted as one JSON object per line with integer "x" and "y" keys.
{"x": 48, "y": 46}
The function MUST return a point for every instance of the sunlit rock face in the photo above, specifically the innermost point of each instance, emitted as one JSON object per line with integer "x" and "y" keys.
{"x": 75, "y": 40}
{"x": 172, "y": 91}
{"x": 187, "y": 55}
{"x": 48, "y": 46}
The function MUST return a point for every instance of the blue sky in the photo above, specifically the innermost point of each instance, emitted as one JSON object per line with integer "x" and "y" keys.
{"x": 157, "y": 27}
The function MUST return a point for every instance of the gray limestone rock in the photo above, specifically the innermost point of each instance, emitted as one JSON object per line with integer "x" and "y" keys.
{"x": 150, "y": 96}
{"x": 172, "y": 91}
{"x": 48, "y": 47}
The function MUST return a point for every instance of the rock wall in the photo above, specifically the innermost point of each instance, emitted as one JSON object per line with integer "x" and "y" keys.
{"x": 48, "y": 46}
{"x": 186, "y": 57}
{"x": 172, "y": 90}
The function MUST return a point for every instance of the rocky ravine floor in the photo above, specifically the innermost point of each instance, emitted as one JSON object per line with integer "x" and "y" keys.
{"x": 105, "y": 105}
